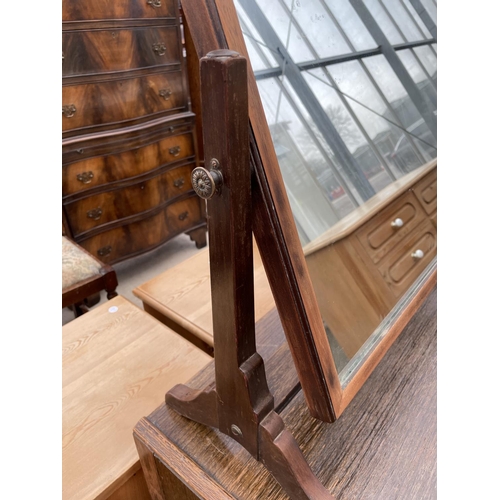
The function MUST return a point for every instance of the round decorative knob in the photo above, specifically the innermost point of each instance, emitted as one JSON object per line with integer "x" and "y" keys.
{"x": 206, "y": 182}
{"x": 397, "y": 222}
{"x": 418, "y": 254}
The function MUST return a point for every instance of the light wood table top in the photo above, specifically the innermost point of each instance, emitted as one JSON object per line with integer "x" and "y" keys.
{"x": 182, "y": 295}
{"x": 116, "y": 368}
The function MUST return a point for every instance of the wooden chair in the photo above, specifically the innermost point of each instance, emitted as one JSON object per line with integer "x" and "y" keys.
{"x": 83, "y": 276}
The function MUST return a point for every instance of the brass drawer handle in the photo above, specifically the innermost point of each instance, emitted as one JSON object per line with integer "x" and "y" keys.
{"x": 175, "y": 151}
{"x": 179, "y": 183}
{"x": 69, "y": 110}
{"x": 154, "y": 3}
{"x": 85, "y": 177}
{"x": 165, "y": 93}
{"x": 159, "y": 48}
{"x": 397, "y": 223}
{"x": 183, "y": 215}
{"x": 95, "y": 214}
{"x": 102, "y": 252}
{"x": 418, "y": 254}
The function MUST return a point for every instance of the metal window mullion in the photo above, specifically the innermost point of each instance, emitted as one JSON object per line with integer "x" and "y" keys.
{"x": 424, "y": 15}
{"x": 415, "y": 55}
{"x": 419, "y": 99}
{"x": 373, "y": 82}
{"x": 402, "y": 3}
{"x": 336, "y": 174}
{"x": 342, "y": 97}
{"x": 395, "y": 117}
{"x": 310, "y": 101}
{"x": 403, "y": 36}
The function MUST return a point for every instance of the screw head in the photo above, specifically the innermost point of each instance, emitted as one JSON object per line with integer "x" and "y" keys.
{"x": 236, "y": 430}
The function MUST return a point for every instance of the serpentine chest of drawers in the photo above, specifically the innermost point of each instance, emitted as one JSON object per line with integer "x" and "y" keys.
{"x": 128, "y": 132}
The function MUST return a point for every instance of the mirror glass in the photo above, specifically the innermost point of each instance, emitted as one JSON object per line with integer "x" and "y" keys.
{"x": 349, "y": 92}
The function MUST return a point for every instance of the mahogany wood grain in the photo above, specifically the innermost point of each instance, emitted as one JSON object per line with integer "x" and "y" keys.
{"x": 383, "y": 446}
{"x": 146, "y": 233}
{"x": 116, "y": 366}
{"x": 116, "y": 204}
{"x": 220, "y": 22}
{"x": 119, "y": 49}
{"x": 98, "y": 10}
{"x": 306, "y": 334}
{"x": 111, "y": 168}
{"x": 123, "y": 101}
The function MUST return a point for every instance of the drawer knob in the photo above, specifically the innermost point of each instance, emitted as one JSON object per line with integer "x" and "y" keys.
{"x": 69, "y": 110}
{"x": 102, "y": 252}
{"x": 397, "y": 223}
{"x": 206, "y": 183}
{"x": 183, "y": 215}
{"x": 95, "y": 214}
{"x": 85, "y": 177}
{"x": 165, "y": 93}
{"x": 418, "y": 254}
{"x": 154, "y": 3}
{"x": 175, "y": 151}
{"x": 178, "y": 183}
{"x": 159, "y": 48}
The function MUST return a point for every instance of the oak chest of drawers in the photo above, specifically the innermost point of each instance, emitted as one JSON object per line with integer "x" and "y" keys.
{"x": 128, "y": 131}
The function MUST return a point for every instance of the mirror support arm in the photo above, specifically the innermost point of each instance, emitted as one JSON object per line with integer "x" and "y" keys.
{"x": 240, "y": 404}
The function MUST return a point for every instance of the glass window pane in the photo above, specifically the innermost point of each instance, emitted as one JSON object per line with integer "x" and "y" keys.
{"x": 419, "y": 77}
{"x": 383, "y": 20}
{"x": 281, "y": 22}
{"x": 401, "y": 103}
{"x": 403, "y": 20}
{"x": 319, "y": 29}
{"x": 417, "y": 18}
{"x": 307, "y": 176}
{"x": 351, "y": 24}
{"x": 354, "y": 82}
{"x": 347, "y": 129}
{"x": 260, "y": 56}
{"x": 430, "y": 7}
{"x": 428, "y": 59}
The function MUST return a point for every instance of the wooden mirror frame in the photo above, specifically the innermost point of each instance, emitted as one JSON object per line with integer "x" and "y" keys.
{"x": 211, "y": 25}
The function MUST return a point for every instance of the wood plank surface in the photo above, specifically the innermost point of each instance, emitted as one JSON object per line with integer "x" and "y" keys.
{"x": 182, "y": 294}
{"x": 383, "y": 445}
{"x": 117, "y": 367}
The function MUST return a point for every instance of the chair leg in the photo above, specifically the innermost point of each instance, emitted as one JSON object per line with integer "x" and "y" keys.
{"x": 79, "y": 309}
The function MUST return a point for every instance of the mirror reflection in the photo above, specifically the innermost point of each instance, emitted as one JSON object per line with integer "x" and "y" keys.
{"x": 349, "y": 92}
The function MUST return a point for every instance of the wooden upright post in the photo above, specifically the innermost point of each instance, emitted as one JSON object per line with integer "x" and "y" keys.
{"x": 240, "y": 405}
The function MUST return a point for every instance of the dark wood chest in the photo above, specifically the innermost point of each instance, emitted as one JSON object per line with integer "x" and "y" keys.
{"x": 128, "y": 131}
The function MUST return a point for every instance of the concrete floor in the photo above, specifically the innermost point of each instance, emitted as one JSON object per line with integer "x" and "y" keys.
{"x": 133, "y": 272}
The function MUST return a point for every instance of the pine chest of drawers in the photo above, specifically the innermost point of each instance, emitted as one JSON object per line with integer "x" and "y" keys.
{"x": 128, "y": 132}
{"x": 365, "y": 263}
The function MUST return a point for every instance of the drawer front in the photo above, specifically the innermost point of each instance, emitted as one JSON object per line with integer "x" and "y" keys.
{"x": 99, "y": 209}
{"x": 115, "y": 101}
{"x": 88, "y": 174}
{"x": 382, "y": 233}
{"x": 426, "y": 192}
{"x": 121, "y": 242}
{"x": 100, "y": 51}
{"x": 407, "y": 261}
{"x": 179, "y": 180}
{"x": 76, "y": 10}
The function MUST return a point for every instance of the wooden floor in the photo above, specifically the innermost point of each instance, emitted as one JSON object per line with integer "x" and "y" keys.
{"x": 382, "y": 447}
